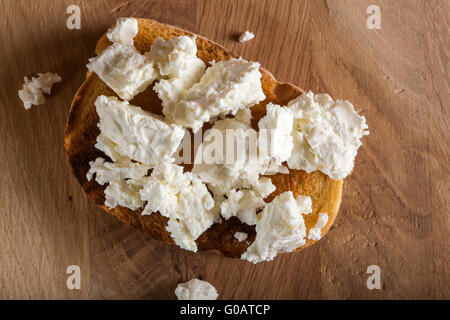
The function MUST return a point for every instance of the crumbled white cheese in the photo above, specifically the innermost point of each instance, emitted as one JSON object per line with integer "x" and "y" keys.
{"x": 123, "y": 31}
{"x": 280, "y": 229}
{"x": 316, "y": 232}
{"x": 106, "y": 172}
{"x": 178, "y": 66}
{"x": 241, "y": 236}
{"x": 135, "y": 133}
{"x": 124, "y": 70}
{"x": 184, "y": 199}
{"x": 109, "y": 148}
{"x": 246, "y": 36}
{"x": 244, "y": 116}
{"x": 121, "y": 177}
{"x": 263, "y": 186}
{"x": 277, "y": 125}
{"x": 228, "y": 158}
{"x": 276, "y": 168}
{"x": 326, "y": 135}
{"x": 224, "y": 88}
{"x": 123, "y": 193}
{"x": 196, "y": 289}
{"x": 243, "y": 204}
{"x": 33, "y": 90}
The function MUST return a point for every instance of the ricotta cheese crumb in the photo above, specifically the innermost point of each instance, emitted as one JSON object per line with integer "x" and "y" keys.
{"x": 246, "y": 36}
{"x": 224, "y": 88}
{"x": 244, "y": 116}
{"x": 326, "y": 135}
{"x": 243, "y": 204}
{"x": 106, "y": 172}
{"x": 236, "y": 162}
{"x": 123, "y": 193}
{"x": 178, "y": 66}
{"x": 241, "y": 236}
{"x": 123, "y": 31}
{"x": 316, "y": 232}
{"x": 277, "y": 125}
{"x": 135, "y": 133}
{"x": 196, "y": 289}
{"x": 280, "y": 229}
{"x": 124, "y": 70}
{"x": 184, "y": 199}
{"x": 33, "y": 90}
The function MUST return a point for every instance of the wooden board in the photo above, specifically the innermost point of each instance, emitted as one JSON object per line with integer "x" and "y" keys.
{"x": 394, "y": 212}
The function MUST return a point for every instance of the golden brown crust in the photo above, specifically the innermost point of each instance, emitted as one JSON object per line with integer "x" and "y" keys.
{"x": 81, "y": 133}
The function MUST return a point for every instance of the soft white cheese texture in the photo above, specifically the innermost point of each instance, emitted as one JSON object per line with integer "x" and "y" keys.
{"x": 196, "y": 289}
{"x": 224, "y": 88}
{"x": 246, "y": 36}
{"x": 178, "y": 66}
{"x": 109, "y": 148}
{"x": 135, "y": 133}
{"x": 326, "y": 135}
{"x": 243, "y": 204}
{"x": 316, "y": 232}
{"x": 123, "y": 31}
{"x": 106, "y": 172}
{"x": 244, "y": 116}
{"x": 280, "y": 229}
{"x": 33, "y": 90}
{"x": 123, "y": 193}
{"x": 277, "y": 125}
{"x": 121, "y": 177}
{"x": 124, "y": 70}
{"x": 240, "y": 236}
{"x": 236, "y": 162}
{"x": 184, "y": 199}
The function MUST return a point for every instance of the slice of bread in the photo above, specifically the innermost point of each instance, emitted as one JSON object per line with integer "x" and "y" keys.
{"x": 81, "y": 133}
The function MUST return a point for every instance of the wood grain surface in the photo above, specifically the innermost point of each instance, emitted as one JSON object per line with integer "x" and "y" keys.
{"x": 395, "y": 206}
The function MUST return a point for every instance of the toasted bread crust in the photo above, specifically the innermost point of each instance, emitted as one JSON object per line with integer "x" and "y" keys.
{"x": 82, "y": 130}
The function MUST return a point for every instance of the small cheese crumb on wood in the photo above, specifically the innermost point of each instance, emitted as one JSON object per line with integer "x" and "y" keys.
{"x": 33, "y": 90}
{"x": 246, "y": 36}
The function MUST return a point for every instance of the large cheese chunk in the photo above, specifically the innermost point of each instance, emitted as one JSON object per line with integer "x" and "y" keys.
{"x": 184, "y": 199}
{"x": 124, "y": 70}
{"x": 280, "y": 229}
{"x": 326, "y": 135}
{"x": 276, "y": 127}
{"x": 229, "y": 162}
{"x": 225, "y": 88}
{"x": 229, "y": 158}
{"x": 135, "y": 133}
{"x": 123, "y": 31}
{"x": 178, "y": 67}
